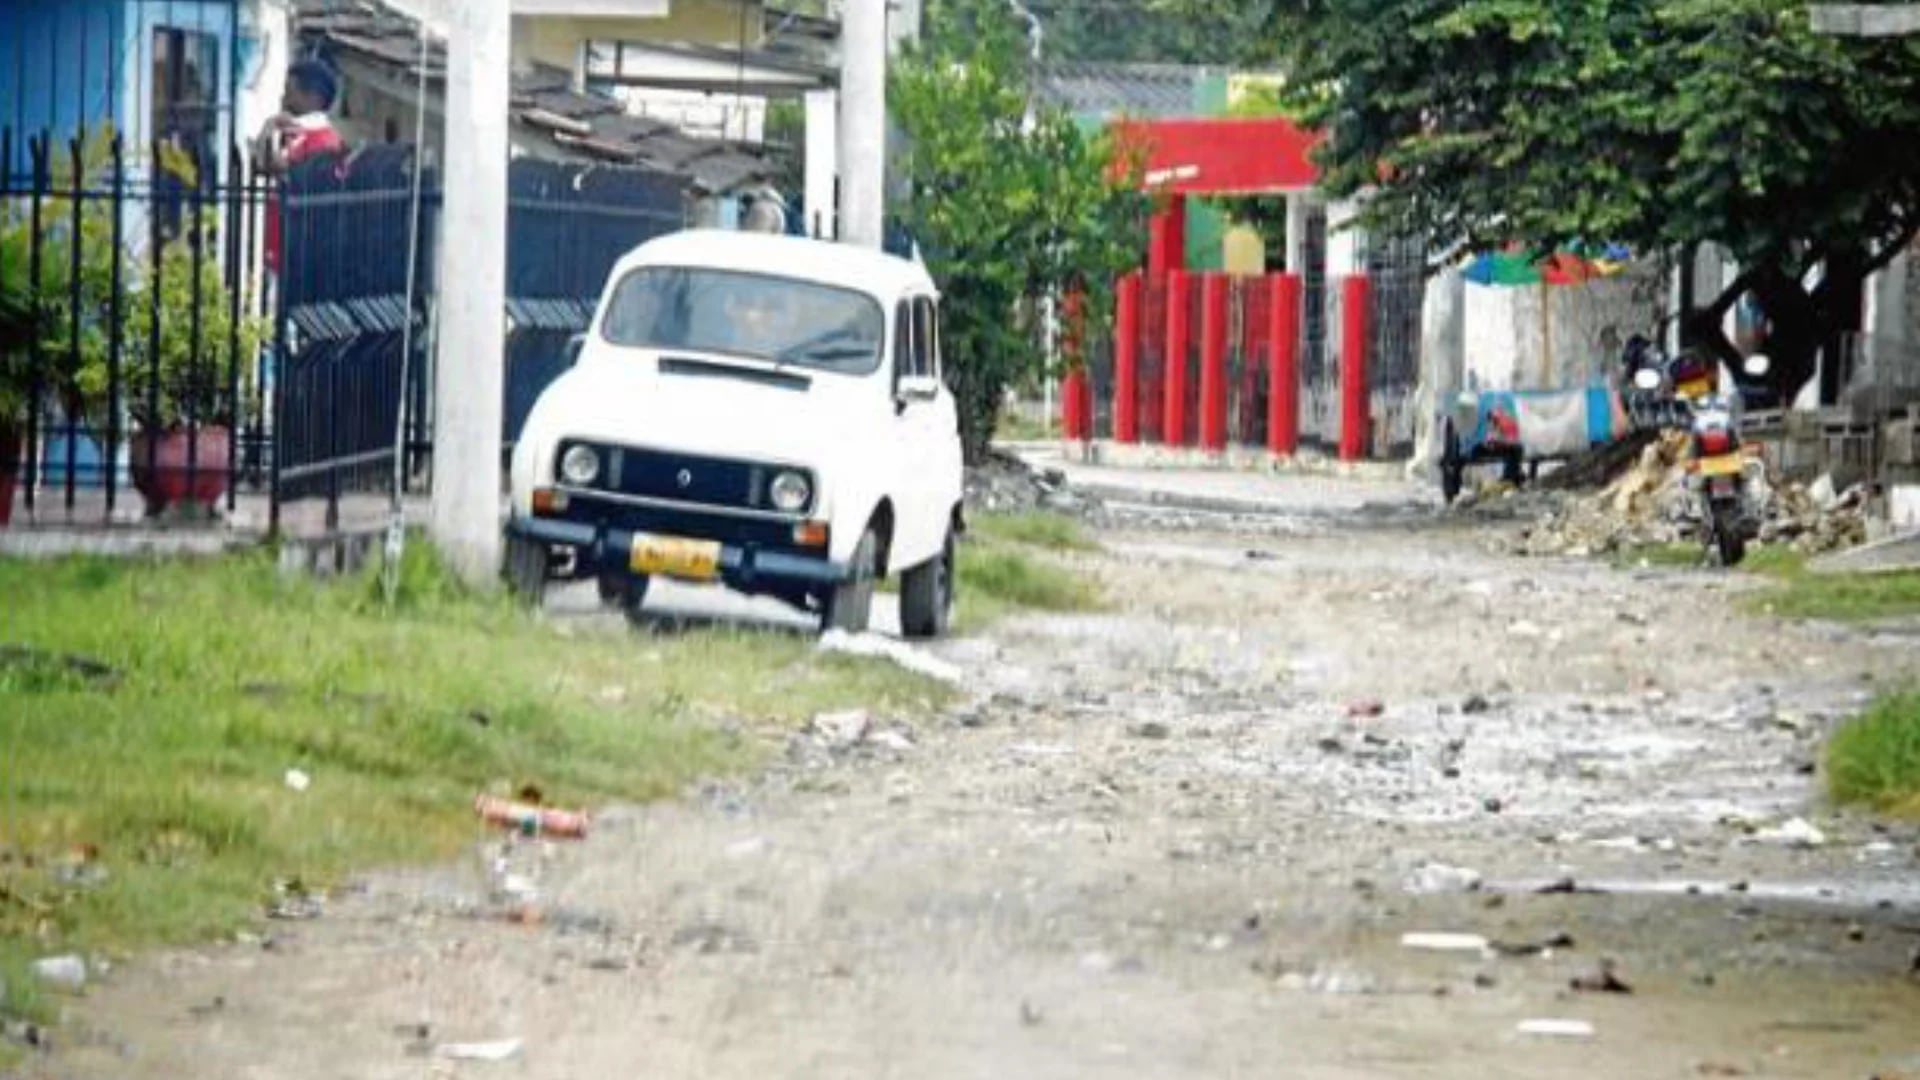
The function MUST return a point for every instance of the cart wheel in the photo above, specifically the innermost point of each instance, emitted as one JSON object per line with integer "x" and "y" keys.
{"x": 1453, "y": 468}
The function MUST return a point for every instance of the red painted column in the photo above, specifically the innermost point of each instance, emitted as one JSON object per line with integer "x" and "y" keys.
{"x": 1126, "y": 359}
{"x": 1355, "y": 399}
{"x": 1213, "y": 362}
{"x": 1073, "y": 395}
{"x": 1173, "y": 429}
{"x": 1283, "y": 370}
{"x": 1167, "y": 238}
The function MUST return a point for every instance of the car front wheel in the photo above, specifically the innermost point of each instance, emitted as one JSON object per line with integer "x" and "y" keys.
{"x": 526, "y": 570}
{"x": 926, "y": 595}
{"x": 850, "y": 605}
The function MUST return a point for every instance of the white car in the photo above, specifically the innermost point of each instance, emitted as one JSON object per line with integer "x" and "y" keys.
{"x": 761, "y": 411}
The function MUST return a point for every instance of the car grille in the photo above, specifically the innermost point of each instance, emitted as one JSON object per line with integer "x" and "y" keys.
{"x": 686, "y": 478}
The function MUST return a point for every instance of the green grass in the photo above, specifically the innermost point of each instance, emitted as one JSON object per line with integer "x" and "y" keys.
{"x": 1797, "y": 592}
{"x": 1874, "y": 760}
{"x": 229, "y": 674}
{"x": 1052, "y": 532}
{"x": 1019, "y": 427}
{"x": 1010, "y": 563}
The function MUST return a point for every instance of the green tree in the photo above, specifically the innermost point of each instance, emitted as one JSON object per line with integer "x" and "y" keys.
{"x": 1661, "y": 124}
{"x": 1005, "y": 211}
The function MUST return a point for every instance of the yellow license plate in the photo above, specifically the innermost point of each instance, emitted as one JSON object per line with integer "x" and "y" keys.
{"x": 1724, "y": 465}
{"x": 671, "y": 556}
{"x": 1697, "y": 388}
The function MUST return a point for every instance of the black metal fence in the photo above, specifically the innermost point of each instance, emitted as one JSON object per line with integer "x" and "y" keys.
{"x": 200, "y": 339}
{"x": 145, "y": 323}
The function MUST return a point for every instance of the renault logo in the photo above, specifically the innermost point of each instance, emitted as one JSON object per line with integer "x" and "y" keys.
{"x": 685, "y": 479}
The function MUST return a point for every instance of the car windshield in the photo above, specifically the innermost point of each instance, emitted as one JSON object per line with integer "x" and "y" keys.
{"x": 759, "y": 316}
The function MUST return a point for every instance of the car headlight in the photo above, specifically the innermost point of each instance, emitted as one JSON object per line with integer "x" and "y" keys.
{"x": 790, "y": 492}
{"x": 580, "y": 466}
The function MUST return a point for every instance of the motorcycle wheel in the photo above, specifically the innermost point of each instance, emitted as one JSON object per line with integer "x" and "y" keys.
{"x": 1727, "y": 537}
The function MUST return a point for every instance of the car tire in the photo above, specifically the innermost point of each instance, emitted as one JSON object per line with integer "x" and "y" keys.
{"x": 526, "y": 570}
{"x": 926, "y": 596}
{"x": 626, "y": 593}
{"x": 849, "y": 607}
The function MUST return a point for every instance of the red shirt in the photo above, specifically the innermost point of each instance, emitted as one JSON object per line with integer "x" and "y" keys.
{"x": 303, "y": 144}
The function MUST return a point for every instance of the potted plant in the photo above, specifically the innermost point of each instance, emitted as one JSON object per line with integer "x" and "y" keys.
{"x": 186, "y": 399}
{"x": 177, "y": 396}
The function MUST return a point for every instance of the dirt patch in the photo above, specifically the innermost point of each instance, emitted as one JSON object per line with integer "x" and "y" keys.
{"x": 1162, "y": 840}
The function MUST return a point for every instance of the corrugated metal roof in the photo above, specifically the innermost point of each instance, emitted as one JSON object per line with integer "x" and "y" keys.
{"x": 543, "y": 101}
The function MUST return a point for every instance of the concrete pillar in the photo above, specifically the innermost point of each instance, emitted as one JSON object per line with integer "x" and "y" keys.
{"x": 471, "y": 361}
{"x": 1345, "y": 245}
{"x": 863, "y": 122}
{"x": 1887, "y": 315}
{"x": 1299, "y": 209}
{"x": 823, "y": 162}
{"x": 1443, "y": 361}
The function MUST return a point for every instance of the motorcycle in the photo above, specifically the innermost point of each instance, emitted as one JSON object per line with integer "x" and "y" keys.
{"x": 1681, "y": 393}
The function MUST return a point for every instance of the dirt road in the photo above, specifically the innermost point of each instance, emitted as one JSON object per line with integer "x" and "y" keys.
{"x": 1180, "y": 839}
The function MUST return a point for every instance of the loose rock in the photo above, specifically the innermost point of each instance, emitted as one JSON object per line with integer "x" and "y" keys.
{"x": 67, "y": 972}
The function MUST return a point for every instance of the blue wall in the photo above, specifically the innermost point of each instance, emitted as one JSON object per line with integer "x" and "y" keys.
{"x": 65, "y": 64}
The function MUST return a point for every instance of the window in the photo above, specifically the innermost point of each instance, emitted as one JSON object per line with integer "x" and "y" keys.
{"x": 758, "y": 316}
{"x": 916, "y": 341}
{"x": 186, "y": 117}
{"x": 926, "y": 338}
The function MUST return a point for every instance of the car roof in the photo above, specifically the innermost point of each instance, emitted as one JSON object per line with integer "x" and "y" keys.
{"x": 844, "y": 265}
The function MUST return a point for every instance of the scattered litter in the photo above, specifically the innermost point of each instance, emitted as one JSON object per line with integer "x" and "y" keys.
{"x": 1151, "y": 729}
{"x": 65, "y": 972}
{"x": 1718, "y": 1068}
{"x": 499, "y": 1050}
{"x": 1444, "y": 942}
{"x": 1605, "y": 981}
{"x": 873, "y": 646}
{"x": 529, "y": 819}
{"x": 1618, "y": 843}
{"x": 1525, "y": 630}
{"x": 1030, "y": 1016}
{"x": 1366, "y": 709}
{"x": 1796, "y": 833}
{"x": 298, "y": 780}
{"x": 1475, "y": 705}
{"x": 1440, "y": 878}
{"x": 1556, "y": 1029}
{"x": 1544, "y": 947}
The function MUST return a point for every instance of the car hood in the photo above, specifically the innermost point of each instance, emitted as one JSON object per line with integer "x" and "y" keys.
{"x": 722, "y": 410}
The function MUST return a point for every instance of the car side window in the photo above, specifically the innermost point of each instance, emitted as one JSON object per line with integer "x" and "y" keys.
{"x": 903, "y": 352}
{"x": 926, "y": 337}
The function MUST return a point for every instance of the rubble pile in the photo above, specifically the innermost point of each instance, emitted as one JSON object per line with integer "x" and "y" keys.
{"x": 1650, "y": 504}
{"x": 1003, "y": 484}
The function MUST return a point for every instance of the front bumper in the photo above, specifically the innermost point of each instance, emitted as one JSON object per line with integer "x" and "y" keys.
{"x": 743, "y": 566}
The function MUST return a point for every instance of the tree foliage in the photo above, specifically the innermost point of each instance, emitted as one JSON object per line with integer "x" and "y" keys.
{"x": 1005, "y": 211}
{"x": 1661, "y": 124}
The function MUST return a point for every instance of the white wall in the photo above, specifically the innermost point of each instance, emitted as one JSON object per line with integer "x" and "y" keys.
{"x": 1509, "y": 347}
